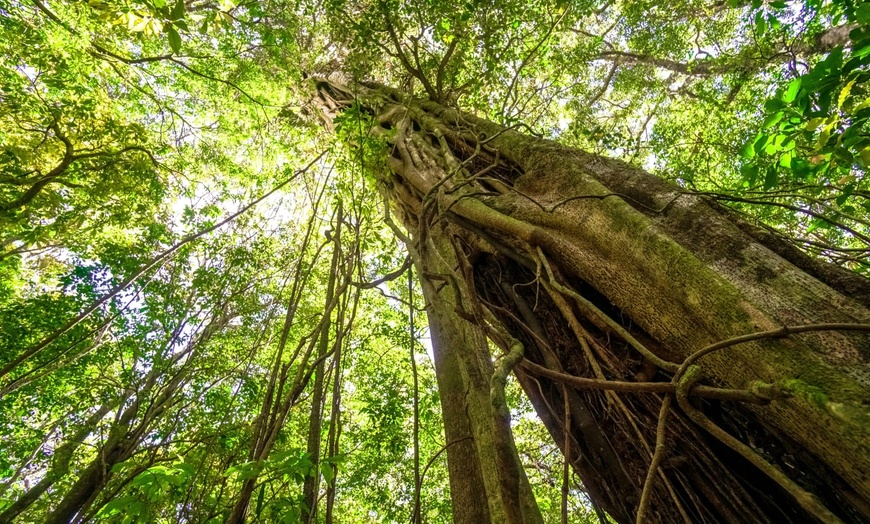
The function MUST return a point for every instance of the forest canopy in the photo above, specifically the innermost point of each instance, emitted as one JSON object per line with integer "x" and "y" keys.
{"x": 221, "y": 248}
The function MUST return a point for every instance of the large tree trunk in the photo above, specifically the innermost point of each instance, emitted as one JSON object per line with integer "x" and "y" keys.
{"x": 594, "y": 268}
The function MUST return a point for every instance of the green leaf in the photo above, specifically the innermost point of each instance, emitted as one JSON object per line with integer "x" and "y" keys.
{"x": 792, "y": 91}
{"x": 824, "y": 136}
{"x": 772, "y": 119}
{"x": 847, "y": 192}
{"x": 174, "y": 39}
{"x": 136, "y": 508}
{"x": 844, "y": 94}
{"x": 776, "y": 143}
{"x": 815, "y": 224}
{"x": 178, "y": 10}
{"x": 770, "y": 178}
{"x": 760, "y": 23}
{"x": 328, "y": 472}
{"x": 834, "y": 60}
{"x": 749, "y": 174}
{"x": 774, "y": 104}
{"x": 773, "y": 22}
{"x": 244, "y": 470}
{"x": 814, "y": 123}
{"x": 260, "y": 497}
{"x": 760, "y": 141}
{"x": 748, "y": 150}
{"x": 116, "y": 506}
{"x": 800, "y": 167}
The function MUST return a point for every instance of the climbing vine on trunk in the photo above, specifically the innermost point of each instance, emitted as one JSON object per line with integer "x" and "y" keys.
{"x": 589, "y": 273}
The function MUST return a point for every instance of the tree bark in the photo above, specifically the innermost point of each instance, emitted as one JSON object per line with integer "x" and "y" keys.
{"x": 591, "y": 267}
{"x": 486, "y": 479}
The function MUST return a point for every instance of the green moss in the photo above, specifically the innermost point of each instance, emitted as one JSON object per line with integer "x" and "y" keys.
{"x": 799, "y": 388}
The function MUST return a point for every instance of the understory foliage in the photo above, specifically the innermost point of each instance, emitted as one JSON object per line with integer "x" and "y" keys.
{"x": 206, "y": 310}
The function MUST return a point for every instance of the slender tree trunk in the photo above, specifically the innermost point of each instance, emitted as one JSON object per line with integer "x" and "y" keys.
{"x": 92, "y": 478}
{"x": 345, "y": 324}
{"x": 483, "y": 487}
{"x": 334, "y": 432}
{"x": 277, "y": 406}
{"x": 415, "y": 512}
{"x": 589, "y": 267}
{"x": 310, "y": 488}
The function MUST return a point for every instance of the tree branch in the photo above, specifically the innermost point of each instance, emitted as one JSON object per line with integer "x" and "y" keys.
{"x": 403, "y": 58}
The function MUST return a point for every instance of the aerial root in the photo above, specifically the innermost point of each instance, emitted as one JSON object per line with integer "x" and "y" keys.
{"x": 684, "y": 383}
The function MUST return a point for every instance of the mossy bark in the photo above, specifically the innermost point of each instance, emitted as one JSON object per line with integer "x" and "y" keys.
{"x": 488, "y": 483}
{"x": 577, "y": 235}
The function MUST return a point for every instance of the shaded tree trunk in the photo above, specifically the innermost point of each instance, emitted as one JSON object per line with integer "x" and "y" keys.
{"x": 487, "y": 481}
{"x": 590, "y": 267}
